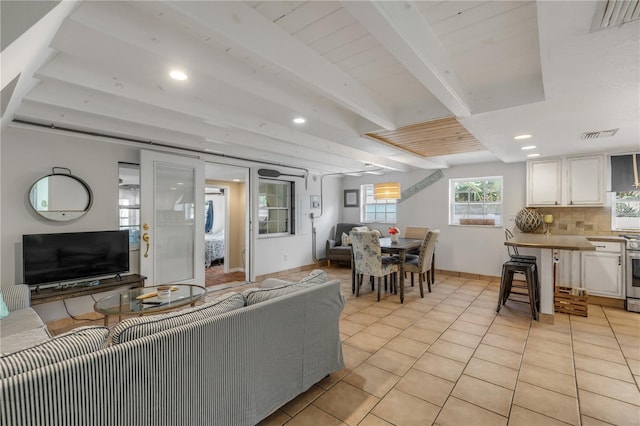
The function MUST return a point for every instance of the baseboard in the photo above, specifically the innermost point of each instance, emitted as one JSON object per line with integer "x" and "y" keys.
{"x": 606, "y": 301}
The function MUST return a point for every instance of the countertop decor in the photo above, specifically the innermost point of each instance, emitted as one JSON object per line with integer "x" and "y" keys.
{"x": 528, "y": 219}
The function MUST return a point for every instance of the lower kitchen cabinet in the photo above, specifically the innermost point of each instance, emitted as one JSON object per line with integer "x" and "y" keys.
{"x": 601, "y": 270}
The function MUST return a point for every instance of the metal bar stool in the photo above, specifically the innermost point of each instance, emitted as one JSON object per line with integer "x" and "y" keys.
{"x": 530, "y": 270}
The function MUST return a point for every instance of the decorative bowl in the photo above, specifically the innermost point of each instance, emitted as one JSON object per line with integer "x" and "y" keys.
{"x": 528, "y": 219}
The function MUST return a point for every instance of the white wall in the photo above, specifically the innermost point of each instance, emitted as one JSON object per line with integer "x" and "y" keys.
{"x": 477, "y": 250}
{"x": 26, "y": 156}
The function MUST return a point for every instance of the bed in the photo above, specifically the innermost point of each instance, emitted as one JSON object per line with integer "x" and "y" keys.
{"x": 213, "y": 247}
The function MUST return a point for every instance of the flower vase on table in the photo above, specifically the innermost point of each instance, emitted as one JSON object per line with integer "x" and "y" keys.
{"x": 394, "y": 233}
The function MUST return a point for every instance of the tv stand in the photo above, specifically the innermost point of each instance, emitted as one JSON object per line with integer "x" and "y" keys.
{"x": 41, "y": 295}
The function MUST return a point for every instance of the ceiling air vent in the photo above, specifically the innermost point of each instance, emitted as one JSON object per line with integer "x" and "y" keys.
{"x": 614, "y": 13}
{"x": 600, "y": 134}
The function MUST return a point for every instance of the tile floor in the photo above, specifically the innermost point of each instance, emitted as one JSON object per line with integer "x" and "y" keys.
{"x": 449, "y": 359}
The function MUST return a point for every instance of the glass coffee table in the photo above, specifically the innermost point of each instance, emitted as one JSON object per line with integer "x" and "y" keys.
{"x": 145, "y": 301}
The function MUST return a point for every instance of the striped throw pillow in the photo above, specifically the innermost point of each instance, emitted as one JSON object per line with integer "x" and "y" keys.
{"x": 77, "y": 342}
{"x": 276, "y": 288}
{"x": 134, "y": 328}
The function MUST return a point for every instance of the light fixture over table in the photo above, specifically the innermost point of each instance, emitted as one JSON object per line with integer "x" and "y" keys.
{"x": 386, "y": 191}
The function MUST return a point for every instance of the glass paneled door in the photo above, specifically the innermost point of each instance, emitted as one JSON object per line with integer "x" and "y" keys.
{"x": 171, "y": 243}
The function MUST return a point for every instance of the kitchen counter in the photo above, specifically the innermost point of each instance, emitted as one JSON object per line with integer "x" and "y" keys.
{"x": 548, "y": 244}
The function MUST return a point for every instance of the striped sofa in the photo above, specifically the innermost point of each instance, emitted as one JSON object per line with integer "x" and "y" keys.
{"x": 233, "y": 368}
{"x": 23, "y": 327}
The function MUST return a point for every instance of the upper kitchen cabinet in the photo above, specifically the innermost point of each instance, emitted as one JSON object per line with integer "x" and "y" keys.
{"x": 571, "y": 181}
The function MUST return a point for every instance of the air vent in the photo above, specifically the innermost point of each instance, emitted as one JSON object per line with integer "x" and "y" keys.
{"x": 615, "y": 13}
{"x": 600, "y": 134}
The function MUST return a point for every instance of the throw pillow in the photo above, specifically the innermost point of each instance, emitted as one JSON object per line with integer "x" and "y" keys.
{"x": 4, "y": 311}
{"x": 134, "y": 328}
{"x": 317, "y": 276}
{"x": 274, "y": 282}
{"x": 77, "y": 342}
{"x": 346, "y": 241}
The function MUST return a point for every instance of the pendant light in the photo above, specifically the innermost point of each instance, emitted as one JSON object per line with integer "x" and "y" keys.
{"x": 386, "y": 191}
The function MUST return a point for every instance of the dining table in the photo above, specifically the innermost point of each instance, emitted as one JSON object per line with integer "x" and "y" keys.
{"x": 549, "y": 245}
{"x": 400, "y": 248}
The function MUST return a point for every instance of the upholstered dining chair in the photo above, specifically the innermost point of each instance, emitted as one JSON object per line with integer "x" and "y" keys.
{"x": 423, "y": 263}
{"x": 368, "y": 259}
{"x": 417, "y": 232}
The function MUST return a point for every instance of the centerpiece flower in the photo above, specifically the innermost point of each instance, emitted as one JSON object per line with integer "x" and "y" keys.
{"x": 395, "y": 233}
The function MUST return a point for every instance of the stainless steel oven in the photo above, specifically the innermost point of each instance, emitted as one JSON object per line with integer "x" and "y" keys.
{"x": 632, "y": 267}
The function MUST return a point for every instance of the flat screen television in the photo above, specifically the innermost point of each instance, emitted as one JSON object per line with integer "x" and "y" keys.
{"x": 74, "y": 256}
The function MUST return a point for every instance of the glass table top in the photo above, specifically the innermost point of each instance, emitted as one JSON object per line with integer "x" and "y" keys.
{"x": 144, "y": 300}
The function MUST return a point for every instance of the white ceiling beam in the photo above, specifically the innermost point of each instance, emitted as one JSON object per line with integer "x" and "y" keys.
{"x": 401, "y": 28}
{"x": 241, "y": 25}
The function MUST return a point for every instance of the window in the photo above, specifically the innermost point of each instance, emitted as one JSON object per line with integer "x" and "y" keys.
{"x": 475, "y": 201}
{"x": 373, "y": 210}
{"x": 275, "y": 208}
{"x": 627, "y": 210}
{"x": 129, "y": 201}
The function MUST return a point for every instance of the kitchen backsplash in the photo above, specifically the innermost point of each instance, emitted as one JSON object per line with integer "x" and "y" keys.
{"x": 579, "y": 221}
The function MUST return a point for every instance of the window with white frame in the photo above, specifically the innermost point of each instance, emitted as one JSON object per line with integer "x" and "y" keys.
{"x": 627, "y": 210}
{"x": 275, "y": 208}
{"x": 475, "y": 201}
{"x": 372, "y": 210}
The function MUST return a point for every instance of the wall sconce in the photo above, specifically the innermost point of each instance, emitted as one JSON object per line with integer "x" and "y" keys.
{"x": 386, "y": 191}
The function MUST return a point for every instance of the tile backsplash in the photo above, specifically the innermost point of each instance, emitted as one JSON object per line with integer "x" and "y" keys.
{"x": 578, "y": 220}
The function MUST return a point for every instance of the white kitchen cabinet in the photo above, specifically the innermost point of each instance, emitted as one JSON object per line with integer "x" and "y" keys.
{"x": 567, "y": 181}
{"x": 601, "y": 270}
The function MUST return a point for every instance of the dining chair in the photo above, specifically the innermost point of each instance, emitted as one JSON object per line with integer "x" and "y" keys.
{"x": 417, "y": 232}
{"x": 368, "y": 259}
{"x": 424, "y": 262}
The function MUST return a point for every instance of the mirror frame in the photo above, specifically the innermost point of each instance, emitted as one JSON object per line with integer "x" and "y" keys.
{"x": 62, "y": 215}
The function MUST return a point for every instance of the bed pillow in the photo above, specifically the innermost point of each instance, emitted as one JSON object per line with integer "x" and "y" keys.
{"x": 77, "y": 342}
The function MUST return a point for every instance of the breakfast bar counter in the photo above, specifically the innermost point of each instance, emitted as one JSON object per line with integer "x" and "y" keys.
{"x": 549, "y": 245}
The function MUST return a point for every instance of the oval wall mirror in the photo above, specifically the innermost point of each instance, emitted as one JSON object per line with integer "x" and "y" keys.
{"x": 60, "y": 196}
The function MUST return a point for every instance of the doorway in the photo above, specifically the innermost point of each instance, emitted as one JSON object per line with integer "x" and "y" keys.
{"x": 226, "y": 224}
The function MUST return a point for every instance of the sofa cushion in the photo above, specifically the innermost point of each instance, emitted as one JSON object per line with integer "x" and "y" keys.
{"x": 273, "y": 287}
{"x": 77, "y": 342}
{"x": 19, "y": 321}
{"x": 317, "y": 276}
{"x": 23, "y": 340}
{"x": 134, "y": 328}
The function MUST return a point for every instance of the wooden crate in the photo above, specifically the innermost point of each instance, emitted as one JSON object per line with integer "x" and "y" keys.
{"x": 572, "y": 301}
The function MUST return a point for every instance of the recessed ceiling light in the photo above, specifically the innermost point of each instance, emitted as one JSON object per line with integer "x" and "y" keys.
{"x": 519, "y": 137}
{"x": 299, "y": 120}
{"x": 534, "y": 155}
{"x": 178, "y": 75}
{"x": 524, "y": 148}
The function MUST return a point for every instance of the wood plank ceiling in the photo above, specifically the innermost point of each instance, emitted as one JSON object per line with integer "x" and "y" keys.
{"x": 444, "y": 136}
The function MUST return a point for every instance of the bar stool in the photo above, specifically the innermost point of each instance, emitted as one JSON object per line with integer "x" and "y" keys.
{"x": 530, "y": 270}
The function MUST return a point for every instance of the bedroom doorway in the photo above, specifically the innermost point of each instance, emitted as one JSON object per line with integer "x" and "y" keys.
{"x": 226, "y": 224}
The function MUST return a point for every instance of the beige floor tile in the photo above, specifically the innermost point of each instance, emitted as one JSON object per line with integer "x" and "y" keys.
{"x": 511, "y": 321}
{"x": 366, "y": 342}
{"x": 483, "y": 394}
{"x": 551, "y": 335}
{"x": 461, "y": 338}
{"x": 607, "y": 409}
{"x": 555, "y": 348}
{"x": 413, "y": 348}
{"x": 604, "y": 331}
{"x": 392, "y": 361}
{"x": 364, "y": 319}
{"x": 312, "y": 416}
{"x": 444, "y": 317}
{"x": 546, "y": 402}
{"x": 433, "y": 325}
{"x": 477, "y": 310}
{"x": 604, "y": 368}
{"x": 346, "y": 402}
{"x": 349, "y": 327}
{"x": 395, "y": 321}
{"x": 509, "y": 331}
{"x": 297, "y": 404}
{"x": 476, "y": 319}
{"x": 451, "y": 350}
{"x": 353, "y": 356}
{"x": 629, "y": 330}
{"x": 550, "y": 361}
{"x": 590, "y": 421}
{"x": 382, "y": 330}
{"x": 499, "y": 356}
{"x": 420, "y": 334}
{"x": 450, "y": 308}
{"x": 410, "y": 313}
{"x": 504, "y": 342}
{"x": 372, "y": 379}
{"x": 467, "y": 327}
{"x": 455, "y": 302}
{"x": 520, "y": 416}
{"x": 600, "y": 352}
{"x": 457, "y": 412}
{"x": 425, "y": 386}
{"x": 492, "y": 373}
{"x": 606, "y": 386}
{"x": 595, "y": 339}
{"x": 439, "y": 366}
{"x": 420, "y": 307}
{"x": 548, "y": 379}
{"x": 372, "y": 420}
{"x": 376, "y": 310}
{"x": 630, "y": 351}
{"x": 634, "y": 366}
{"x": 333, "y": 378}
{"x": 400, "y": 408}
{"x": 626, "y": 340}
{"x": 276, "y": 419}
